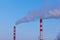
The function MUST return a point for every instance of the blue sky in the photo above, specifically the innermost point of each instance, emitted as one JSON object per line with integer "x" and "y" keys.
{"x": 12, "y": 10}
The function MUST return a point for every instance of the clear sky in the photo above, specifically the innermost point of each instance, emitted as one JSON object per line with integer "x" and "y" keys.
{"x": 12, "y": 10}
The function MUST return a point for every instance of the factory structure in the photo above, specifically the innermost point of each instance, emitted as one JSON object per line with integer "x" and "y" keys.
{"x": 41, "y": 31}
{"x": 14, "y": 34}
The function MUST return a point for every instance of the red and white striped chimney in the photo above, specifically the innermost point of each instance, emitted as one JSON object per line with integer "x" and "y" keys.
{"x": 41, "y": 30}
{"x": 14, "y": 37}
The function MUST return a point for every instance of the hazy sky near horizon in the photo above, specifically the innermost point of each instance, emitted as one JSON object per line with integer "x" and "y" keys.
{"x": 13, "y": 10}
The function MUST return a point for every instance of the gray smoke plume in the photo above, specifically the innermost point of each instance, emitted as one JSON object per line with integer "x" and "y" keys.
{"x": 48, "y": 10}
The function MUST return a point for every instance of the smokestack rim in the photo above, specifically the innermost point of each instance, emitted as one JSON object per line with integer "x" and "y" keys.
{"x": 40, "y": 20}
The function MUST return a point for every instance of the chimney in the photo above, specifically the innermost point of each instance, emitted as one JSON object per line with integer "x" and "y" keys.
{"x": 14, "y": 37}
{"x": 41, "y": 30}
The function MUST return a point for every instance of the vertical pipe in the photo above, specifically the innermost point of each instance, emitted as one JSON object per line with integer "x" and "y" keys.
{"x": 14, "y": 37}
{"x": 41, "y": 30}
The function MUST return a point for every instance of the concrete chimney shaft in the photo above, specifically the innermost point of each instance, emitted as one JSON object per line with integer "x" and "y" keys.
{"x": 41, "y": 30}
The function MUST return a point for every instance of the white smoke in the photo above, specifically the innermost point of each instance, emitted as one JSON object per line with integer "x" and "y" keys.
{"x": 47, "y": 11}
{"x": 53, "y": 14}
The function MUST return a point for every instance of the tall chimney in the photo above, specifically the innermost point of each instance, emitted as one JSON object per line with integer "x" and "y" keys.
{"x": 41, "y": 29}
{"x": 14, "y": 37}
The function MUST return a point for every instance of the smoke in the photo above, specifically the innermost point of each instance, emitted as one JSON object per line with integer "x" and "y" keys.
{"x": 48, "y": 10}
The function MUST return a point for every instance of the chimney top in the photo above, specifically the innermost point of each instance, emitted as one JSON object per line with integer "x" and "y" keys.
{"x": 14, "y": 26}
{"x": 40, "y": 19}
